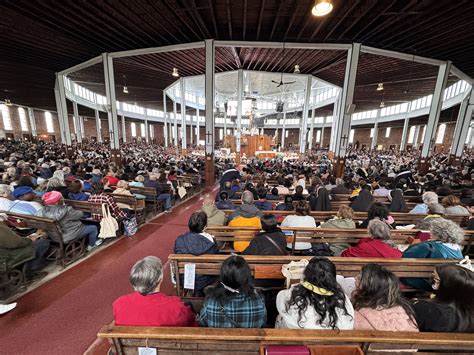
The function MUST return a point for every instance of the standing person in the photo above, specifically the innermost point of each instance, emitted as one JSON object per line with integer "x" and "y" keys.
{"x": 147, "y": 306}
{"x": 378, "y": 302}
{"x": 234, "y": 302}
{"x": 69, "y": 219}
{"x": 316, "y": 303}
{"x": 452, "y": 310}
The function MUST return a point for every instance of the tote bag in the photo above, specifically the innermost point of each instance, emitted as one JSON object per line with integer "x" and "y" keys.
{"x": 108, "y": 225}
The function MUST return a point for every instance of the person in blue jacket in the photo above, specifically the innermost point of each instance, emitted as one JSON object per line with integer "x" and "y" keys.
{"x": 197, "y": 242}
{"x": 446, "y": 242}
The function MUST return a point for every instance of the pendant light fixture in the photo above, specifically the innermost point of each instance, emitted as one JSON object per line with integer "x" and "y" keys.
{"x": 322, "y": 8}
{"x": 380, "y": 87}
{"x": 8, "y": 102}
{"x": 175, "y": 72}
{"x": 382, "y": 104}
{"x": 297, "y": 69}
{"x": 125, "y": 89}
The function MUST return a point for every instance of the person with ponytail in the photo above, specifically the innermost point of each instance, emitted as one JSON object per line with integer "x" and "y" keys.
{"x": 317, "y": 303}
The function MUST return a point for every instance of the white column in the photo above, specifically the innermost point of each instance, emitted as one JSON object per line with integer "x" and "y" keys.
{"x": 183, "y": 113}
{"x": 471, "y": 139}
{"x": 321, "y": 145}
{"x": 176, "y": 138}
{"x": 311, "y": 132}
{"x": 147, "y": 129}
{"x": 210, "y": 102}
{"x": 335, "y": 122}
{"x": 124, "y": 129}
{"x": 225, "y": 121}
{"x": 462, "y": 125}
{"x": 373, "y": 143}
{"x": 197, "y": 127}
{"x": 403, "y": 143}
{"x": 165, "y": 126}
{"x": 283, "y": 132}
{"x": 435, "y": 109}
{"x": 341, "y": 135}
{"x": 77, "y": 122}
{"x": 304, "y": 125}
{"x": 111, "y": 102}
{"x": 98, "y": 126}
{"x": 31, "y": 115}
{"x": 417, "y": 137}
{"x": 61, "y": 106}
{"x": 240, "y": 84}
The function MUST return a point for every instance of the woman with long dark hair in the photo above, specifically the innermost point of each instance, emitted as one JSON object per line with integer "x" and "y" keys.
{"x": 317, "y": 303}
{"x": 379, "y": 304}
{"x": 452, "y": 310}
{"x": 234, "y": 302}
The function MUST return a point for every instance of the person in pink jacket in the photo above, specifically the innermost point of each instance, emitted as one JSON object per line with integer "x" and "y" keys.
{"x": 378, "y": 303}
{"x": 378, "y": 245}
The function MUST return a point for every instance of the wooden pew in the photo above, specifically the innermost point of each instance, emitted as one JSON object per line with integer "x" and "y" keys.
{"x": 151, "y": 197}
{"x": 136, "y": 205}
{"x": 64, "y": 253}
{"x": 227, "y": 235}
{"x": 269, "y": 267}
{"x": 86, "y": 207}
{"x": 218, "y": 341}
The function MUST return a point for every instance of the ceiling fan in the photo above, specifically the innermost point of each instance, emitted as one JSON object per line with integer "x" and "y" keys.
{"x": 281, "y": 82}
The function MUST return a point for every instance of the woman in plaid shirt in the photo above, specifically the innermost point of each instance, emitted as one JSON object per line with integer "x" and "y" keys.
{"x": 234, "y": 303}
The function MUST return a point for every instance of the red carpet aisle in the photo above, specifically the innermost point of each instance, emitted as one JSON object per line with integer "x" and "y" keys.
{"x": 64, "y": 315}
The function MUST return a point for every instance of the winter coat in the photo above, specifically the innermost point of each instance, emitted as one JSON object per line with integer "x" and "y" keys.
{"x": 260, "y": 245}
{"x": 68, "y": 218}
{"x": 339, "y": 223}
{"x": 13, "y": 248}
{"x": 372, "y": 248}
{"x": 246, "y": 211}
{"x": 215, "y": 217}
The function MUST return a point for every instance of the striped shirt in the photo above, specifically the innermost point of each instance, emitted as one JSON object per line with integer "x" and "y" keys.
{"x": 25, "y": 207}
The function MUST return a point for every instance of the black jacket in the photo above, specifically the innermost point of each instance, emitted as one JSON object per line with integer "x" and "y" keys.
{"x": 260, "y": 245}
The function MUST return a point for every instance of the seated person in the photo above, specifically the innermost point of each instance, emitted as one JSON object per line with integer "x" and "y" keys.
{"x": 446, "y": 241}
{"x": 319, "y": 200}
{"x": 233, "y": 302}
{"x": 76, "y": 193}
{"x": 5, "y": 193}
{"x": 224, "y": 203}
{"x": 379, "y": 304}
{"x": 261, "y": 203}
{"x": 197, "y": 242}
{"x": 274, "y": 195}
{"x": 24, "y": 201}
{"x": 377, "y": 245}
{"x": 364, "y": 199}
{"x": 138, "y": 181}
{"x": 14, "y": 249}
{"x": 287, "y": 205}
{"x": 69, "y": 219}
{"x": 246, "y": 215}
{"x": 381, "y": 191}
{"x": 272, "y": 241}
{"x": 162, "y": 195}
{"x": 380, "y": 211}
{"x": 317, "y": 303}
{"x": 99, "y": 196}
{"x": 428, "y": 198}
{"x": 215, "y": 217}
{"x": 298, "y": 195}
{"x": 300, "y": 219}
{"x": 435, "y": 210}
{"x": 343, "y": 220}
{"x": 397, "y": 201}
{"x": 452, "y": 310}
{"x": 147, "y": 306}
{"x": 452, "y": 204}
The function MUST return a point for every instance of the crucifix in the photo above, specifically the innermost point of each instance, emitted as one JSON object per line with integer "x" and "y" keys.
{"x": 208, "y": 136}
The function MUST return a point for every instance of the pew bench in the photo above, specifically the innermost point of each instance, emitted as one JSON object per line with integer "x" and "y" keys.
{"x": 151, "y": 198}
{"x": 137, "y": 206}
{"x": 62, "y": 252}
{"x": 269, "y": 267}
{"x": 218, "y": 341}
{"x": 86, "y": 207}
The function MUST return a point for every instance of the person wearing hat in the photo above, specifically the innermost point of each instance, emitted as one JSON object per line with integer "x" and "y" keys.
{"x": 69, "y": 219}
{"x": 24, "y": 201}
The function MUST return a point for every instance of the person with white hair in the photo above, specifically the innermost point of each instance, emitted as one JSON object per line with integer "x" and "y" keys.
{"x": 147, "y": 306}
{"x": 5, "y": 193}
{"x": 428, "y": 198}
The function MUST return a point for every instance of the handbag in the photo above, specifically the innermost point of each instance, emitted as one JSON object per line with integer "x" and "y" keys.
{"x": 130, "y": 226}
{"x": 294, "y": 271}
{"x": 108, "y": 224}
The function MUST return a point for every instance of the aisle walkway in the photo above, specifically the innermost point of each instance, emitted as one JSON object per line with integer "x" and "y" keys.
{"x": 64, "y": 315}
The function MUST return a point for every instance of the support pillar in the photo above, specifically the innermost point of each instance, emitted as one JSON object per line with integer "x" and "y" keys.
{"x": 283, "y": 132}
{"x": 147, "y": 130}
{"x": 77, "y": 123}
{"x": 165, "y": 126}
{"x": 175, "y": 114}
{"x": 210, "y": 102}
{"x": 240, "y": 84}
{"x": 61, "y": 105}
{"x": 31, "y": 115}
{"x": 197, "y": 127}
{"x": 403, "y": 143}
{"x": 111, "y": 108}
{"x": 183, "y": 114}
{"x": 417, "y": 137}
{"x": 124, "y": 130}
{"x": 321, "y": 143}
{"x": 225, "y": 121}
{"x": 98, "y": 126}
{"x": 373, "y": 143}
{"x": 311, "y": 132}
{"x": 433, "y": 118}
{"x": 462, "y": 128}
{"x": 304, "y": 125}
{"x": 345, "y": 110}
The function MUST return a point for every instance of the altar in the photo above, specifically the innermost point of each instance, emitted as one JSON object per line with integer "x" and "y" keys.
{"x": 249, "y": 144}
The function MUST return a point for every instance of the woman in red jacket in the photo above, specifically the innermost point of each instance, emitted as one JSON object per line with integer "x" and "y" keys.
{"x": 378, "y": 245}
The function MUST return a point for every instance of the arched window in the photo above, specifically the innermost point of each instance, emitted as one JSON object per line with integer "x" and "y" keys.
{"x": 49, "y": 122}
{"x": 133, "y": 127}
{"x": 7, "y": 122}
{"x": 411, "y": 135}
{"x": 440, "y": 135}
{"x": 23, "y": 121}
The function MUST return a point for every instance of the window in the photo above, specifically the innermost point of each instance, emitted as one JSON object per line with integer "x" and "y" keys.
{"x": 351, "y": 136}
{"x": 411, "y": 135}
{"x": 440, "y": 135}
{"x": 7, "y": 122}
{"x": 133, "y": 127}
{"x": 142, "y": 129}
{"x": 372, "y": 130}
{"x": 423, "y": 134}
{"x": 387, "y": 132}
{"x": 23, "y": 121}
{"x": 151, "y": 129}
{"x": 318, "y": 136}
{"x": 286, "y": 134}
{"x": 468, "y": 138}
{"x": 49, "y": 122}
{"x": 221, "y": 134}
